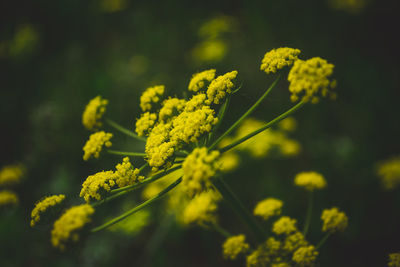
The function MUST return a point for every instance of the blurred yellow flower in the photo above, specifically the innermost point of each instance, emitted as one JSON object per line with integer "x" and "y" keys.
{"x": 334, "y": 220}
{"x": 94, "y": 111}
{"x": 235, "y": 245}
{"x": 43, "y": 205}
{"x": 310, "y": 180}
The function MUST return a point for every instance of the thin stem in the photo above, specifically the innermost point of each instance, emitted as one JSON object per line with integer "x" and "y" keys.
{"x": 143, "y": 167}
{"x": 323, "y": 240}
{"x": 124, "y": 130}
{"x": 239, "y": 208}
{"x": 309, "y": 213}
{"x": 220, "y": 230}
{"x": 246, "y": 114}
{"x": 137, "y": 208}
{"x": 126, "y": 153}
{"x": 263, "y": 128}
{"x": 221, "y": 115}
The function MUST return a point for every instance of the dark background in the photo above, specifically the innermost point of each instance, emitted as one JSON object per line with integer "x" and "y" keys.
{"x": 80, "y": 50}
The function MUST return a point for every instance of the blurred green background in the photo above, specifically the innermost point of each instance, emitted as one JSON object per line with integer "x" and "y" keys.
{"x": 57, "y": 55}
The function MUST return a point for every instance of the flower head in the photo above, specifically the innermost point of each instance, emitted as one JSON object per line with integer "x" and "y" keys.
{"x": 334, "y": 220}
{"x": 284, "y": 225}
{"x": 219, "y": 87}
{"x": 151, "y": 95}
{"x": 268, "y": 207}
{"x": 43, "y": 205}
{"x": 66, "y": 227}
{"x": 394, "y": 260}
{"x": 171, "y": 107}
{"x": 310, "y": 180}
{"x": 126, "y": 174}
{"x": 202, "y": 208}
{"x": 389, "y": 172}
{"x": 11, "y": 174}
{"x": 199, "y": 80}
{"x": 145, "y": 123}
{"x": 294, "y": 241}
{"x": 8, "y": 198}
{"x": 235, "y": 245}
{"x": 95, "y": 144}
{"x": 305, "y": 256}
{"x": 91, "y": 186}
{"x": 279, "y": 58}
{"x": 311, "y": 79}
{"x": 94, "y": 111}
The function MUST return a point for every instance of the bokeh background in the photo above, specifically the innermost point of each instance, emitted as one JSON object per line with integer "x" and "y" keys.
{"x": 57, "y": 55}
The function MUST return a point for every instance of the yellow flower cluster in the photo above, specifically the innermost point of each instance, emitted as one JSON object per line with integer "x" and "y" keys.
{"x": 305, "y": 256}
{"x": 310, "y": 180}
{"x": 294, "y": 241}
{"x": 151, "y": 95}
{"x": 394, "y": 260}
{"x": 268, "y": 207}
{"x": 95, "y": 144}
{"x": 334, "y": 220}
{"x": 199, "y": 80}
{"x": 124, "y": 175}
{"x": 279, "y": 58}
{"x": 198, "y": 168}
{"x": 284, "y": 225}
{"x": 8, "y": 198}
{"x": 11, "y": 175}
{"x": 219, "y": 87}
{"x": 202, "y": 208}
{"x": 66, "y": 227}
{"x": 145, "y": 123}
{"x": 44, "y": 205}
{"x": 234, "y": 245}
{"x": 171, "y": 107}
{"x": 389, "y": 172}
{"x": 94, "y": 111}
{"x": 311, "y": 78}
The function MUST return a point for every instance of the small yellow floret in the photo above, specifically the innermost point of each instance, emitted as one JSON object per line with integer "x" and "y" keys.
{"x": 8, "y": 198}
{"x": 219, "y": 87}
{"x": 235, "y": 245}
{"x": 305, "y": 256}
{"x": 268, "y": 207}
{"x": 43, "y": 205}
{"x": 126, "y": 174}
{"x": 284, "y": 225}
{"x": 94, "y": 111}
{"x": 294, "y": 241}
{"x": 202, "y": 208}
{"x": 198, "y": 168}
{"x": 196, "y": 102}
{"x": 145, "y": 123}
{"x": 394, "y": 260}
{"x": 199, "y": 79}
{"x": 229, "y": 161}
{"x": 171, "y": 107}
{"x": 389, "y": 172}
{"x": 151, "y": 95}
{"x": 11, "y": 174}
{"x": 310, "y": 180}
{"x": 95, "y": 144}
{"x": 279, "y": 58}
{"x": 289, "y": 124}
{"x": 66, "y": 227}
{"x": 311, "y": 79}
{"x": 334, "y": 220}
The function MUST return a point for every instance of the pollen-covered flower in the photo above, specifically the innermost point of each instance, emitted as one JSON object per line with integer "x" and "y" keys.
{"x": 199, "y": 79}
{"x": 268, "y": 207}
{"x": 394, "y": 260}
{"x": 196, "y": 102}
{"x": 145, "y": 123}
{"x": 94, "y": 111}
{"x": 284, "y": 225}
{"x": 8, "y": 198}
{"x": 91, "y": 186}
{"x": 202, "y": 208}
{"x": 279, "y": 58}
{"x": 310, "y": 180}
{"x": 151, "y": 95}
{"x": 235, "y": 245}
{"x": 305, "y": 256}
{"x": 11, "y": 174}
{"x": 389, "y": 172}
{"x": 43, "y": 205}
{"x": 95, "y": 144}
{"x": 171, "y": 108}
{"x": 66, "y": 227}
{"x": 219, "y": 87}
{"x": 310, "y": 78}
{"x": 198, "y": 168}
{"x": 126, "y": 174}
{"x": 334, "y": 220}
{"x": 294, "y": 241}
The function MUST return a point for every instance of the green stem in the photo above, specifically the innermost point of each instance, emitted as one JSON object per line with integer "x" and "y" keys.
{"x": 137, "y": 208}
{"x": 246, "y": 114}
{"x": 309, "y": 213}
{"x": 239, "y": 208}
{"x": 266, "y": 126}
{"x": 323, "y": 240}
{"x": 220, "y": 230}
{"x": 124, "y": 130}
{"x": 221, "y": 115}
{"x": 126, "y": 153}
{"x": 143, "y": 167}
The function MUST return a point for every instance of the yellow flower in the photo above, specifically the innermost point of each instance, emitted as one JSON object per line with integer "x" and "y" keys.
{"x": 219, "y": 87}
{"x": 311, "y": 79}
{"x": 126, "y": 174}
{"x": 394, "y": 260}
{"x": 272, "y": 246}
{"x": 151, "y": 95}
{"x": 132, "y": 224}
{"x": 294, "y": 241}
{"x": 91, "y": 186}
{"x": 334, "y": 220}
{"x": 199, "y": 79}
{"x": 95, "y": 144}
{"x": 289, "y": 124}
{"x": 209, "y": 51}
{"x": 196, "y": 102}
{"x": 268, "y": 207}
{"x": 171, "y": 107}
{"x": 198, "y": 168}
{"x": 94, "y": 111}
{"x": 43, "y": 205}
{"x": 310, "y": 180}
{"x": 284, "y": 225}
{"x": 389, "y": 172}
{"x": 8, "y": 198}
{"x": 229, "y": 161}
{"x": 258, "y": 258}
{"x": 305, "y": 256}
{"x": 279, "y": 58}
{"x": 202, "y": 208}
{"x": 235, "y": 245}
{"x": 66, "y": 227}
{"x": 145, "y": 123}
{"x": 280, "y": 264}
{"x": 11, "y": 174}
{"x": 214, "y": 27}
